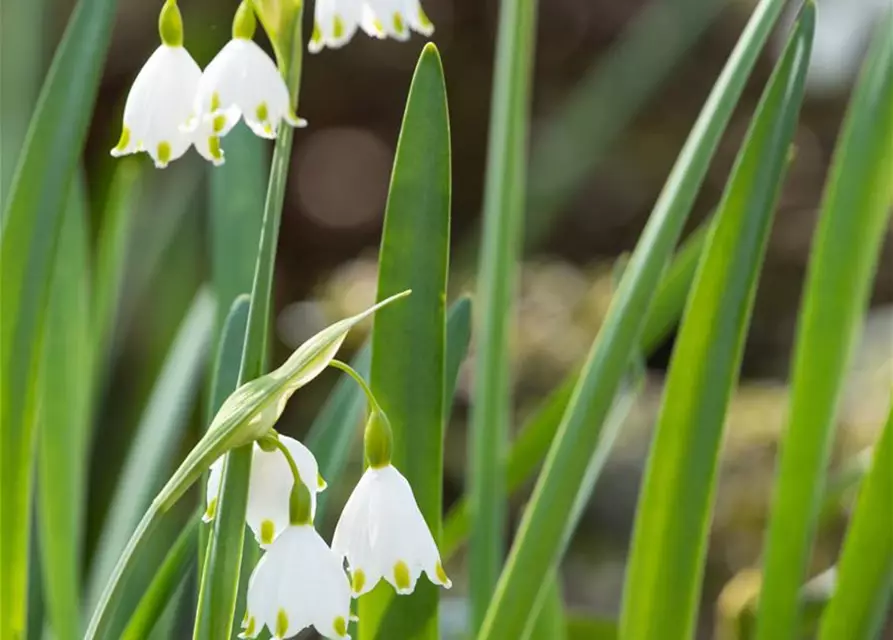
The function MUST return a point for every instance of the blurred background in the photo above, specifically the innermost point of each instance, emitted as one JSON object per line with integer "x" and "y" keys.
{"x": 617, "y": 88}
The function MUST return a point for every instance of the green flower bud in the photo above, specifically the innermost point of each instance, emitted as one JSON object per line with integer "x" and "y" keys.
{"x": 244, "y": 24}
{"x": 170, "y": 24}
{"x": 378, "y": 439}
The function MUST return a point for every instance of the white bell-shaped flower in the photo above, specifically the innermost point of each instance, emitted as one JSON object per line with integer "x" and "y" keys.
{"x": 269, "y": 488}
{"x": 383, "y": 534}
{"x": 161, "y": 100}
{"x": 299, "y": 582}
{"x": 336, "y": 21}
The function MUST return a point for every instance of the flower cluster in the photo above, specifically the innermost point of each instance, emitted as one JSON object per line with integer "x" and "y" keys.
{"x": 381, "y": 534}
{"x": 173, "y": 104}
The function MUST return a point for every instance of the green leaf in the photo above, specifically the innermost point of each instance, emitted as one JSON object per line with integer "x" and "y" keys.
{"x": 538, "y": 543}
{"x": 64, "y": 421}
{"x": 157, "y": 438}
{"x": 852, "y": 225}
{"x": 31, "y": 222}
{"x": 550, "y": 621}
{"x": 532, "y": 442}
{"x": 458, "y": 339}
{"x": 237, "y": 201}
{"x": 111, "y": 255}
{"x": 865, "y": 570}
{"x": 590, "y": 628}
{"x": 170, "y": 576}
{"x": 408, "y": 341}
{"x": 224, "y": 381}
{"x": 497, "y": 279}
{"x": 665, "y": 570}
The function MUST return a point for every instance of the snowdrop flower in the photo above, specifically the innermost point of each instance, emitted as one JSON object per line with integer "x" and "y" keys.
{"x": 299, "y": 582}
{"x": 336, "y": 21}
{"x": 381, "y": 531}
{"x": 269, "y": 488}
{"x": 242, "y": 81}
{"x": 160, "y": 100}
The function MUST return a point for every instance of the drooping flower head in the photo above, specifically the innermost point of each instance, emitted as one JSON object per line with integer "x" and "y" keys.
{"x": 336, "y": 21}
{"x": 160, "y": 100}
{"x": 381, "y": 531}
{"x": 242, "y": 81}
{"x": 269, "y": 487}
{"x": 298, "y": 583}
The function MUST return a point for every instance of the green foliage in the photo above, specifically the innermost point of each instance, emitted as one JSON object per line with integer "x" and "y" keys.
{"x": 32, "y": 219}
{"x": 852, "y": 224}
{"x": 497, "y": 275}
{"x": 407, "y": 372}
{"x": 540, "y": 538}
{"x": 64, "y": 421}
{"x": 665, "y": 570}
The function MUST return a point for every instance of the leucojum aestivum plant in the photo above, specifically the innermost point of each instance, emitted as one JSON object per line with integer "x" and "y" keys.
{"x": 382, "y": 573}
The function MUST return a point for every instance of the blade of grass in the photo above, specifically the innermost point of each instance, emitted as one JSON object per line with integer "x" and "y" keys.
{"x": 111, "y": 255}
{"x": 590, "y": 628}
{"x": 536, "y": 434}
{"x": 220, "y": 585}
{"x": 497, "y": 277}
{"x": 31, "y": 222}
{"x": 862, "y": 598}
{"x": 63, "y": 422}
{"x": 539, "y": 541}
{"x": 407, "y": 371}
{"x": 665, "y": 570}
{"x": 852, "y": 225}
{"x": 158, "y": 434}
{"x": 171, "y": 574}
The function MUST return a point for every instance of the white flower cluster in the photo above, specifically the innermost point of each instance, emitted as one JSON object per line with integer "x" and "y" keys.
{"x": 173, "y": 105}
{"x": 300, "y": 581}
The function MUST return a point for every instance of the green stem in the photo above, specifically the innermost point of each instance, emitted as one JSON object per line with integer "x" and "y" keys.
{"x": 346, "y": 368}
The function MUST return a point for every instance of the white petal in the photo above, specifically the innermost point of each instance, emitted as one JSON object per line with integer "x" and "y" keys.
{"x": 243, "y": 80}
{"x": 298, "y": 583}
{"x": 390, "y": 18}
{"x": 270, "y": 488}
{"x": 159, "y": 102}
{"x": 334, "y": 23}
{"x": 417, "y": 18}
{"x": 213, "y": 489}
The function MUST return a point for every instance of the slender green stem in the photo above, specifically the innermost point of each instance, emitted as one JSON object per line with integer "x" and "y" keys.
{"x": 346, "y": 368}
{"x": 291, "y": 461}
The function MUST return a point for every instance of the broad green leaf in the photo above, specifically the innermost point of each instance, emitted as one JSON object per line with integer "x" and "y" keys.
{"x": 156, "y": 439}
{"x": 237, "y": 203}
{"x": 539, "y": 541}
{"x": 171, "y": 574}
{"x": 111, "y": 255}
{"x": 665, "y": 569}
{"x": 852, "y": 224}
{"x": 532, "y": 442}
{"x": 407, "y": 372}
{"x": 32, "y": 219}
{"x": 503, "y": 220}
{"x": 221, "y": 587}
{"x": 590, "y": 628}
{"x": 63, "y": 422}
{"x": 864, "y": 588}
